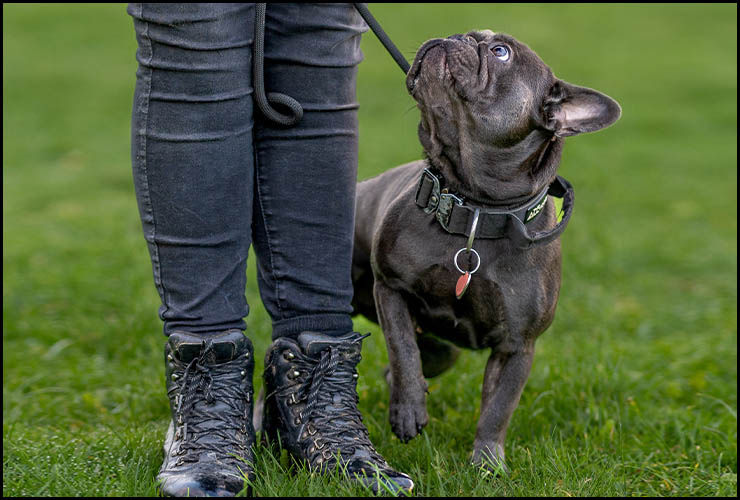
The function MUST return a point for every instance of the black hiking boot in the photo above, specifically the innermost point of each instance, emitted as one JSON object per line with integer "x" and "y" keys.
{"x": 311, "y": 402}
{"x": 208, "y": 448}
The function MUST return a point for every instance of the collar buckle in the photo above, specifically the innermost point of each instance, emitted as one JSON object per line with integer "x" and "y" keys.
{"x": 444, "y": 208}
{"x": 434, "y": 199}
{"x": 432, "y": 185}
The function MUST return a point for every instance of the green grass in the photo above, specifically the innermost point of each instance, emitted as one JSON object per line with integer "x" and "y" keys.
{"x": 634, "y": 386}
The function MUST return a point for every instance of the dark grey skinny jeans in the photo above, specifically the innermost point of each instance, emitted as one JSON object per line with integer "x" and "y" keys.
{"x": 213, "y": 176}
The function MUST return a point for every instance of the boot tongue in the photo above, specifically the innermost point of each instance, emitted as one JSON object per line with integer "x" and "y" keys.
{"x": 187, "y": 346}
{"x": 312, "y": 343}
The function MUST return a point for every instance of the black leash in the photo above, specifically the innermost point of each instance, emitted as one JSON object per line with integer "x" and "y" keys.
{"x": 383, "y": 37}
{"x": 258, "y": 69}
{"x": 264, "y": 101}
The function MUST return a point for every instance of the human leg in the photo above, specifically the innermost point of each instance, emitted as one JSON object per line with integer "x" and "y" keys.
{"x": 306, "y": 174}
{"x": 193, "y": 158}
{"x": 303, "y": 234}
{"x": 193, "y": 172}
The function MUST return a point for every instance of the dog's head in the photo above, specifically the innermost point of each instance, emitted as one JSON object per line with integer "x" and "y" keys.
{"x": 486, "y": 91}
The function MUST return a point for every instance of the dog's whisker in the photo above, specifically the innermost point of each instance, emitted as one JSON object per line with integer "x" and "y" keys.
{"x": 411, "y": 108}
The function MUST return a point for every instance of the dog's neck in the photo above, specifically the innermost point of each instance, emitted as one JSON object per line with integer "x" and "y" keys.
{"x": 497, "y": 176}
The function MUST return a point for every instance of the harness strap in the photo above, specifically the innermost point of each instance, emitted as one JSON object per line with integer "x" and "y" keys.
{"x": 456, "y": 217}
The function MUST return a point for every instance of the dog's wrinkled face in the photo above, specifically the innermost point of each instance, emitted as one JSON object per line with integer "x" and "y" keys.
{"x": 494, "y": 80}
{"x": 488, "y": 88}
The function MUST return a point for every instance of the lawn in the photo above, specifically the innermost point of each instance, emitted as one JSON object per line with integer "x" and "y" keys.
{"x": 633, "y": 391}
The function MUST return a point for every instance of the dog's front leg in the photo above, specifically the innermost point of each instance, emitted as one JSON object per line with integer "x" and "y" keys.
{"x": 408, "y": 412}
{"x": 503, "y": 382}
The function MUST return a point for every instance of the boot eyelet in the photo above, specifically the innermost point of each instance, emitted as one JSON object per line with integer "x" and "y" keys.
{"x": 246, "y": 354}
{"x": 294, "y": 374}
{"x": 170, "y": 358}
{"x": 175, "y": 377}
{"x": 355, "y": 376}
{"x": 288, "y": 355}
{"x": 243, "y": 373}
{"x": 297, "y": 421}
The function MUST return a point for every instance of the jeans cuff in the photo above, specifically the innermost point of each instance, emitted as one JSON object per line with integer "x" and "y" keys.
{"x": 328, "y": 324}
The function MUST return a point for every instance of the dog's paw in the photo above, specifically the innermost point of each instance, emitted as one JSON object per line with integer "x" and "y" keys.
{"x": 490, "y": 460}
{"x": 407, "y": 420}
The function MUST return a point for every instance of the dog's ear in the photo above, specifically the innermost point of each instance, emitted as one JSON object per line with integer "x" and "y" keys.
{"x": 570, "y": 110}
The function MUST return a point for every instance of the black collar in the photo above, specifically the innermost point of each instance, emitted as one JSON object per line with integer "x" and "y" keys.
{"x": 456, "y": 217}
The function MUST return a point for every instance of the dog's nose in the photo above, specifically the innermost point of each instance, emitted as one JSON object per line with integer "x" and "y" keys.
{"x": 464, "y": 38}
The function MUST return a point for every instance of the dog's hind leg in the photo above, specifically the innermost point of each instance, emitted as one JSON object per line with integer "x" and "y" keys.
{"x": 437, "y": 355}
{"x": 503, "y": 382}
{"x": 363, "y": 301}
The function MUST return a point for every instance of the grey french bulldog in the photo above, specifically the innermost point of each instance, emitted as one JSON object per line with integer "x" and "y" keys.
{"x": 461, "y": 249}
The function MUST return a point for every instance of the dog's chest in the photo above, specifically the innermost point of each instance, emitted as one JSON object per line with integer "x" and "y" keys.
{"x": 476, "y": 320}
{"x": 510, "y": 296}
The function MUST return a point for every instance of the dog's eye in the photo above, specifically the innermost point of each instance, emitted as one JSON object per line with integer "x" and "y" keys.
{"x": 501, "y": 52}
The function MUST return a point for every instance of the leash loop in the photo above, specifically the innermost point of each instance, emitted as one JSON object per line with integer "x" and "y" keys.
{"x": 265, "y": 101}
{"x": 258, "y": 70}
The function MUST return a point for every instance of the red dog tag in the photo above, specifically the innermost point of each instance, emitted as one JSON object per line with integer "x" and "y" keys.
{"x": 462, "y": 284}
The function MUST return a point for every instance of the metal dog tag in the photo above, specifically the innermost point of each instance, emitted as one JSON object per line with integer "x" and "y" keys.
{"x": 464, "y": 280}
{"x": 462, "y": 284}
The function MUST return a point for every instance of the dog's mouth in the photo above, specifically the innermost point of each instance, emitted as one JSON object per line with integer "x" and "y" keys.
{"x": 412, "y": 78}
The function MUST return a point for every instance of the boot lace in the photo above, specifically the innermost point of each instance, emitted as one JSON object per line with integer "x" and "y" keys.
{"x": 202, "y": 384}
{"x": 331, "y": 411}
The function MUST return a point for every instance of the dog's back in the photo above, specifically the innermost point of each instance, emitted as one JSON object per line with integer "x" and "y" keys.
{"x": 374, "y": 196}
